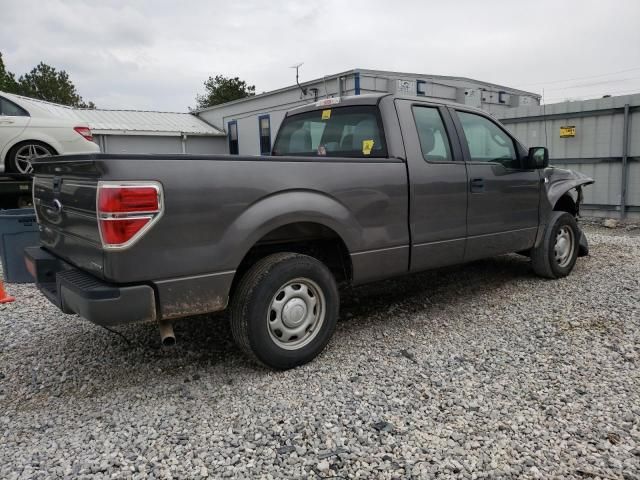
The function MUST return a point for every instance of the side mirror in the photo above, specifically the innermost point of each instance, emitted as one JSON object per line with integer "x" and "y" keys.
{"x": 538, "y": 158}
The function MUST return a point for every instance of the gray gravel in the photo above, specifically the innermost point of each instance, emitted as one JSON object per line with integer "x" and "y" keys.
{"x": 481, "y": 371}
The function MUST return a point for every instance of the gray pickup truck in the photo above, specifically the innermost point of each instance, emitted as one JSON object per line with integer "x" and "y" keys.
{"x": 356, "y": 189}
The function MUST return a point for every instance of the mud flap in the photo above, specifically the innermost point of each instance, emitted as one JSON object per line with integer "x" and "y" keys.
{"x": 583, "y": 245}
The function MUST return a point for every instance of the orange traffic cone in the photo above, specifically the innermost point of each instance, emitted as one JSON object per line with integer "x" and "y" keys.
{"x": 4, "y": 298}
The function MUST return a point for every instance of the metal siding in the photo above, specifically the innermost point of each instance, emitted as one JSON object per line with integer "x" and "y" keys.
{"x": 207, "y": 145}
{"x": 599, "y": 135}
{"x": 143, "y": 144}
{"x": 633, "y": 184}
{"x": 634, "y": 134}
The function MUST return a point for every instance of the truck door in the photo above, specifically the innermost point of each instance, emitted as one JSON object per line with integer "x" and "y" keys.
{"x": 438, "y": 185}
{"x": 504, "y": 197}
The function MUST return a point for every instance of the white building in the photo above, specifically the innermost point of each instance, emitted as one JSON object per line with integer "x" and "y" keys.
{"x": 251, "y": 123}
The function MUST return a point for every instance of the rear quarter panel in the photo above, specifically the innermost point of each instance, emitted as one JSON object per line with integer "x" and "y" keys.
{"x": 217, "y": 208}
{"x": 59, "y": 134}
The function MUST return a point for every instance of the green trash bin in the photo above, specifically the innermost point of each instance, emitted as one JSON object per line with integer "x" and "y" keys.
{"x": 18, "y": 230}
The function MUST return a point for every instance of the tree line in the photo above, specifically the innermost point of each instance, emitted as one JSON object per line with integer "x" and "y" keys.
{"x": 45, "y": 82}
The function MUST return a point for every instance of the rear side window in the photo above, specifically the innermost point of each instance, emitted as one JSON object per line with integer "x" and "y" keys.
{"x": 10, "y": 109}
{"x": 434, "y": 141}
{"x": 333, "y": 132}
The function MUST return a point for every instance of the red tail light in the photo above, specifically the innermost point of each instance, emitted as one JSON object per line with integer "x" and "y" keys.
{"x": 85, "y": 132}
{"x": 128, "y": 199}
{"x": 127, "y": 211}
{"x": 116, "y": 232}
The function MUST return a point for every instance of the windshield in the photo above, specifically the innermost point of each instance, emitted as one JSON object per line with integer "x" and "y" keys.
{"x": 332, "y": 132}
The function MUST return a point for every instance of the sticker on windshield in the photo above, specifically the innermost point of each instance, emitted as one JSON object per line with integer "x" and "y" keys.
{"x": 326, "y": 114}
{"x": 367, "y": 146}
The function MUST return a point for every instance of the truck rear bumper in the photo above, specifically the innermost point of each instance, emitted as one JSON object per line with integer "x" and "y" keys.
{"x": 74, "y": 291}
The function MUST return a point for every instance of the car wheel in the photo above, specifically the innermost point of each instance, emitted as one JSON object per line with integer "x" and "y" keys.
{"x": 556, "y": 255}
{"x": 20, "y": 157}
{"x": 285, "y": 310}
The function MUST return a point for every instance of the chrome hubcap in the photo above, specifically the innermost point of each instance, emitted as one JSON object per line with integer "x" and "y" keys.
{"x": 563, "y": 249}
{"x": 296, "y": 313}
{"x": 26, "y": 154}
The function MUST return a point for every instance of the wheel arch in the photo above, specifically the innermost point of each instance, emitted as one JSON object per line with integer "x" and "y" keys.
{"x": 566, "y": 203}
{"x": 15, "y": 144}
{"x": 285, "y": 208}
{"x": 301, "y": 221}
{"x": 564, "y": 189}
{"x": 312, "y": 238}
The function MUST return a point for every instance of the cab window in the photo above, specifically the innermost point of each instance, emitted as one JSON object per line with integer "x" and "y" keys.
{"x": 333, "y": 132}
{"x": 434, "y": 141}
{"x": 487, "y": 142}
{"x": 10, "y": 109}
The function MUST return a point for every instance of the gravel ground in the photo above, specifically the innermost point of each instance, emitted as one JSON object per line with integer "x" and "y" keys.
{"x": 481, "y": 371}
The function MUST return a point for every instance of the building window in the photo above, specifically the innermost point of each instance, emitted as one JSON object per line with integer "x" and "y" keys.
{"x": 232, "y": 128}
{"x": 264, "y": 128}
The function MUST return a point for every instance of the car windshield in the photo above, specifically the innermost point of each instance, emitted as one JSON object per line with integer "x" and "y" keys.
{"x": 332, "y": 132}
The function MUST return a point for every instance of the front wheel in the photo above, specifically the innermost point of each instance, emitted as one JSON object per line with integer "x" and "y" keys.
{"x": 285, "y": 310}
{"x": 556, "y": 255}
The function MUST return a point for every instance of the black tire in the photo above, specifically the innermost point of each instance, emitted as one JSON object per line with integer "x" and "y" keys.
{"x": 15, "y": 166}
{"x": 253, "y": 302}
{"x": 543, "y": 257}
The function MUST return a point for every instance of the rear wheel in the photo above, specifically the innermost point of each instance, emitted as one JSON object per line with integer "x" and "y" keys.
{"x": 20, "y": 157}
{"x": 556, "y": 255}
{"x": 285, "y": 310}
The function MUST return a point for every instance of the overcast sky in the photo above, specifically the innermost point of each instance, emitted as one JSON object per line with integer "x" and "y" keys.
{"x": 154, "y": 55}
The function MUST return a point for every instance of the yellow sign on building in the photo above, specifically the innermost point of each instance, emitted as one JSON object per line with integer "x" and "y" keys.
{"x": 567, "y": 131}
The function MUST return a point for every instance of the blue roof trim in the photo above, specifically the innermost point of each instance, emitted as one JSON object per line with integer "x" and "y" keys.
{"x": 356, "y": 78}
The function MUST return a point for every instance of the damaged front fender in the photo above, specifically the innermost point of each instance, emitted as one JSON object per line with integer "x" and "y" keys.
{"x": 564, "y": 192}
{"x": 559, "y": 181}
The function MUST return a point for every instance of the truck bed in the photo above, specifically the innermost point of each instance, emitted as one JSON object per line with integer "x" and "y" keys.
{"x": 216, "y": 208}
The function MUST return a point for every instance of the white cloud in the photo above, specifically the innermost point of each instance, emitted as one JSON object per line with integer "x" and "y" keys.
{"x": 155, "y": 55}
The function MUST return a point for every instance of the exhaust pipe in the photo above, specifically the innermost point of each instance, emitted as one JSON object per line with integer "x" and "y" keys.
{"x": 167, "y": 337}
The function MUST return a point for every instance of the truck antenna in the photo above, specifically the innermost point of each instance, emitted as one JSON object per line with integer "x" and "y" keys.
{"x": 297, "y": 67}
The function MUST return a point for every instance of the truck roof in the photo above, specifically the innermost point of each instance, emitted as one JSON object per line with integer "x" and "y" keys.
{"x": 370, "y": 99}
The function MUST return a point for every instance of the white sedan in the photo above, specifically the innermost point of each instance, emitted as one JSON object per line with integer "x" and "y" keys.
{"x": 30, "y": 129}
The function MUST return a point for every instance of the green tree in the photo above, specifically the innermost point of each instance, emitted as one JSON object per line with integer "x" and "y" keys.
{"x": 7, "y": 79}
{"x": 220, "y": 89}
{"x": 46, "y": 83}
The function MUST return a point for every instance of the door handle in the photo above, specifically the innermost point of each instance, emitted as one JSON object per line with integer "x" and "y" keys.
{"x": 477, "y": 185}
{"x": 7, "y": 121}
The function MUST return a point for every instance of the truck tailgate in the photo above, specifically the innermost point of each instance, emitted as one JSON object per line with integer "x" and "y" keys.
{"x": 64, "y": 194}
